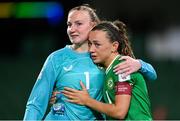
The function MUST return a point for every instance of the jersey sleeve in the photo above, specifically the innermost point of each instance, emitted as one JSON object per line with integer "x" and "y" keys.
{"x": 38, "y": 101}
{"x": 148, "y": 71}
{"x": 123, "y": 85}
{"x": 123, "y": 88}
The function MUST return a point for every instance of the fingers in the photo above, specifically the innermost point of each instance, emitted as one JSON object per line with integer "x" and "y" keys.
{"x": 52, "y": 100}
{"x": 126, "y": 73}
{"x": 71, "y": 101}
{"x": 125, "y": 70}
{"x": 53, "y": 97}
{"x": 55, "y": 93}
{"x": 82, "y": 85}
{"x": 124, "y": 58}
{"x": 70, "y": 89}
{"x": 71, "y": 96}
{"x": 124, "y": 62}
{"x": 68, "y": 94}
{"x": 74, "y": 101}
{"x": 121, "y": 68}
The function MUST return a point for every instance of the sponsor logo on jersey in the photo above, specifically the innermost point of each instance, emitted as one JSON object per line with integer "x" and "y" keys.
{"x": 122, "y": 79}
{"x": 68, "y": 68}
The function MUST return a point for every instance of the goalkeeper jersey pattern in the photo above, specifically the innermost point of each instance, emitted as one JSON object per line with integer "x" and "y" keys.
{"x": 65, "y": 68}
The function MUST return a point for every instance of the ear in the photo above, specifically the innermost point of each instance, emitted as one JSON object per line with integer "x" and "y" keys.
{"x": 93, "y": 24}
{"x": 115, "y": 46}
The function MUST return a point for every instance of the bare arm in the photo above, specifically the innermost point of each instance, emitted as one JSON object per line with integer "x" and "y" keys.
{"x": 117, "y": 110}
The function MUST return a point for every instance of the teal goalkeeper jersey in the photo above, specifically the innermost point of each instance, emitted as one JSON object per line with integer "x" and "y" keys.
{"x": 140, "y": 104}
{"x": 65, "y": 68}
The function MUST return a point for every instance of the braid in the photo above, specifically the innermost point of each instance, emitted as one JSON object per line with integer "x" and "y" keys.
{"x": 126, "y": 45}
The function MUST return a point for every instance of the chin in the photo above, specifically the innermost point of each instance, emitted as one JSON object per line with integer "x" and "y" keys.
{"x": 96, "y": 61}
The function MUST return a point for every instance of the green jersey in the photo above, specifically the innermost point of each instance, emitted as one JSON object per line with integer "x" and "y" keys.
{"x": 139, "y": 108}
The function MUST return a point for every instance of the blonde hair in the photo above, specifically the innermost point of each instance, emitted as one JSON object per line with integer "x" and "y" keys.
{"x": 91, "y": 11}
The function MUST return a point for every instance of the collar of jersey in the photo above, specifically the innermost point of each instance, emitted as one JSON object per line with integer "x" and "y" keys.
{"x": 77, "y": 53}
{"x": 110, "y": 65}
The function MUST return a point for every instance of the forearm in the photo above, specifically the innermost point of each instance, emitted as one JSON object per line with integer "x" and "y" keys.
{"x": 148, "y": 71}
{"x": 108, "y": 109}
{"x": 32, "y": 113}
{"x": 37, "y": 103}
{"x": 41, "y": 92}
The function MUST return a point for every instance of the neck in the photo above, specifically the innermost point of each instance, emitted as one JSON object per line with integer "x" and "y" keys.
{"x": 110, "y": 59}
{"x": 80, "y": 47}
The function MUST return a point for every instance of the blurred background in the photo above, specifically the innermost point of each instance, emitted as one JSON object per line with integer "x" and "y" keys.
{"x": 31, "y": 30}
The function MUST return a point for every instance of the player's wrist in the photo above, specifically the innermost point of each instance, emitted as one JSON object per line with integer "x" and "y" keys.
{"x": 87, "y": 102}
{"x": 140, "y": 64}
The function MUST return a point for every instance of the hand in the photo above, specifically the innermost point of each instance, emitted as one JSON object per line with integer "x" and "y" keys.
{"x": 76, "y": 96}
{"x": 127, "y": 67}
{"x": 53, "y": 97}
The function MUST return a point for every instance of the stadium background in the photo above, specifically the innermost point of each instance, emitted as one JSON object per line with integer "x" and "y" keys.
{"x": 31, "y": 30}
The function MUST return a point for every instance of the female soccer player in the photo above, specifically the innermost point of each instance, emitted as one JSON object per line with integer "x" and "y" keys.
{"x": 125, "y": 98}
{"x": 66, "y": 67}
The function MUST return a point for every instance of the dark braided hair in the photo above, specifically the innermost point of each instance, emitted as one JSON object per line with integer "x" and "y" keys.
{"x": 116, "y": 31}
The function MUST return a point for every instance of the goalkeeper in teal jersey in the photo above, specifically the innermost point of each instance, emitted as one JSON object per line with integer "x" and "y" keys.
{"x": 66, "y": 68}
{"x": 125, "y": 97}
{"x": 73, "y": 68}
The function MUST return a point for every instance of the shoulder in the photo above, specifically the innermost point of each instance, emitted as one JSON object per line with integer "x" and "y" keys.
{"x": 58, "y": 53}
{"x": 137, "y": 75}
{"x": 137, "y": 78}
{"x": 56, "y": 56}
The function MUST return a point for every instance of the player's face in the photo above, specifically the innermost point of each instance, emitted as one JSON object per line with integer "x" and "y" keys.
{"x": 79, "y": 25}
{"x": 100, "y": 47}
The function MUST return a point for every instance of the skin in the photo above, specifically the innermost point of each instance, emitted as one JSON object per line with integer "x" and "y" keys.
{"x": 79, "y": 25}
{"x": 103, "y": 51}
{"x": 128, "y": 66}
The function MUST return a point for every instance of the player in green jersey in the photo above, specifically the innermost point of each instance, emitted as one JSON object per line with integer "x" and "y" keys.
{"x": 125, "y": 98}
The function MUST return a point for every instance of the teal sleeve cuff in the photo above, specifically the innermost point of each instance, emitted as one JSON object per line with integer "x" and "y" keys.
{"x": 148, "y": 71}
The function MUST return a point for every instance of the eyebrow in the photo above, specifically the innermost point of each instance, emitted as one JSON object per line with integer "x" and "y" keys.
{"x": 95, "y": 41}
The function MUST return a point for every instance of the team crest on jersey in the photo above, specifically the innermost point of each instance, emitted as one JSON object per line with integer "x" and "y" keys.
{"x": 68, "y": 68}
{"x": 110, "y": 83}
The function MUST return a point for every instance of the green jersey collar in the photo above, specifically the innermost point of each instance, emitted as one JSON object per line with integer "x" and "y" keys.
{"x": 110, "y": 65}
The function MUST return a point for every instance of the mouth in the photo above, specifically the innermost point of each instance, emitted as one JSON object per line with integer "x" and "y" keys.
{"x": 93, "y": 57}
{"x": 74, "y": 35}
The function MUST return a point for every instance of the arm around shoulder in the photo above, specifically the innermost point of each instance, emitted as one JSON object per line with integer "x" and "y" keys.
{"x": 148, "y": 71}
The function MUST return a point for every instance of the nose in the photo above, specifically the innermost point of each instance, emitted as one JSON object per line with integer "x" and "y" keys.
{"x": 91, "y": 48}
{"x": 71, "y": 28}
